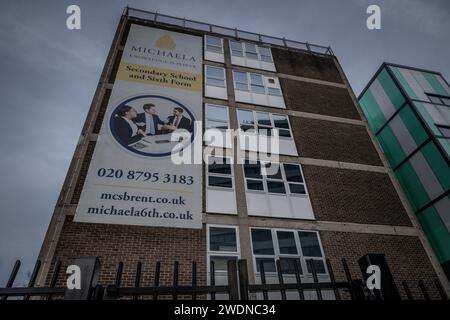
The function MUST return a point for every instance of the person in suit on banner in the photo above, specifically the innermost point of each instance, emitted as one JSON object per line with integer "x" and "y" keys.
{"x": 127, "y": 130}
{"x": 178, "y": 121}
{"x": 153, "y": 124}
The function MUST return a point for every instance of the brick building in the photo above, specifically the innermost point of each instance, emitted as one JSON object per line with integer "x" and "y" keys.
{"x": 334, "y": 196}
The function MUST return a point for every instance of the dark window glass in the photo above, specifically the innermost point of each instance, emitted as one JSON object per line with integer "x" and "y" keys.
{"x": 273, "y": 171}
{"x": 280, "y": 121}
{"x": 246, "y": 127}
{"x": 220, "y": 166}
{"x": 252, "y": 170}
{"x": 284, "y": 133}
{"x": 288, "y": 265}
{"x": 286, "y": 242}
{"x": 276, "y": 187}
{"x": 293, "y": 173}
{"x": 222, "y": 239}
{"x": 263, "y": 118}
{"x": 310, "y": 244}
{"x": 262, "y": 241}
{"x": 297, "y": 188}
{"x": 318, "y": 265}
{"x": 268, "y": 264}
{"x": 255, "y": 185}
{"x": 214, "y": 181}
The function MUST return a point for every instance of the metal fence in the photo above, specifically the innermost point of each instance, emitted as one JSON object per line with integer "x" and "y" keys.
{"x": 237, "y": 287}
{"x": 225, "y": 31}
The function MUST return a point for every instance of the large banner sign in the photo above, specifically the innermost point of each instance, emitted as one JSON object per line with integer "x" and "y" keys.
{"x": 155, "y": 101}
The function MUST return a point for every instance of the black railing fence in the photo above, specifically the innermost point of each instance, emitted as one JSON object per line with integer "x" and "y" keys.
{"x": 237, "y": 287}
{"x": 157, "y": 17}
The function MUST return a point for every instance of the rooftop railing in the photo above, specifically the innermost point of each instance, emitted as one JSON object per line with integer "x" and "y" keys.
{"x": 225, "y": 31}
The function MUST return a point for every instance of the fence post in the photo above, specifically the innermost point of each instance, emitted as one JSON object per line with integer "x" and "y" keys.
{"x": 12, "y": 277}
{"x": 243, "y": 279}
{"x": 90, "y": 269}
{"x": 233, "y": 280}
{"x": 389, "y": 290}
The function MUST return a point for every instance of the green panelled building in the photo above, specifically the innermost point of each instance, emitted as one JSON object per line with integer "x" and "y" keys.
{"x": 408, "y": 109}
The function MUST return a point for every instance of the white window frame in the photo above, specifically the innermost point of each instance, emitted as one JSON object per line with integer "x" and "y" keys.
{"x": 231, "y": 175}
{"x": 207, "y": 105}
{"x": 264, "y": 180}
{"x": 216, "y": 78}
{"x": 258, "y": 51}
{"x": 206, "y": 44}
{"x": 272, "y": 122}
{"x": 277, "y": 254}
{"x": 210, "y": 253}
{"x": 265, "y": 80}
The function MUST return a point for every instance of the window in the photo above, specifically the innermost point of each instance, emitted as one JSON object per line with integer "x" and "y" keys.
{"x": 254, "y": 82}
{"x": 275, "y": 183}
{"x": 214, "y": 44}
{"x": 273, "y": 91}
{"x": 240, "y": 80}
{"x": 222, "y": 239}
{"x": 216, "y": 117}
{"x": 252, "y": 51}
{"x": 215, "y": 76}
{"x": 223, "y": 245}
{"x": 438, "y": 99}
{"x": 257, "y": 83}
{"x": 236, "y": 49}
{"x": 445, "y": 130}
{"x": 283, "y": 178}
{"x": 264, "y": 122}
{"x": 265, "y": 54}
{"x": 246, "y": 119}
{"x": 294, "y": 178}
{"x": 293, "y": 248}
{"x": 220, "y": 173}
{"x": 281, "y": 122}
{"x": 311, "y": 250}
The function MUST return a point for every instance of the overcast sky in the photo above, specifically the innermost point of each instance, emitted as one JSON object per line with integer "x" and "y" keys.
{"x": 48, "y": 75}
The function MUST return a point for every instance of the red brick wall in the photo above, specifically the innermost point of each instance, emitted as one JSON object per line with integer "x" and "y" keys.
{"x": 405, "y": 257}
{"x": 344, "y": 195}
{"x": 130, "y": 244}
{"x": 318, "y": 98}
{"x": 306, "y": 65}
{"x": 328, "y": 140}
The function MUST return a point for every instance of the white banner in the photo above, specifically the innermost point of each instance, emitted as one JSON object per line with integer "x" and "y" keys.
{"x": 155, "y": 101}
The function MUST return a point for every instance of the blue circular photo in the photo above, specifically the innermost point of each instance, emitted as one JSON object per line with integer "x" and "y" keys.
{"x": 152, "y": 125}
